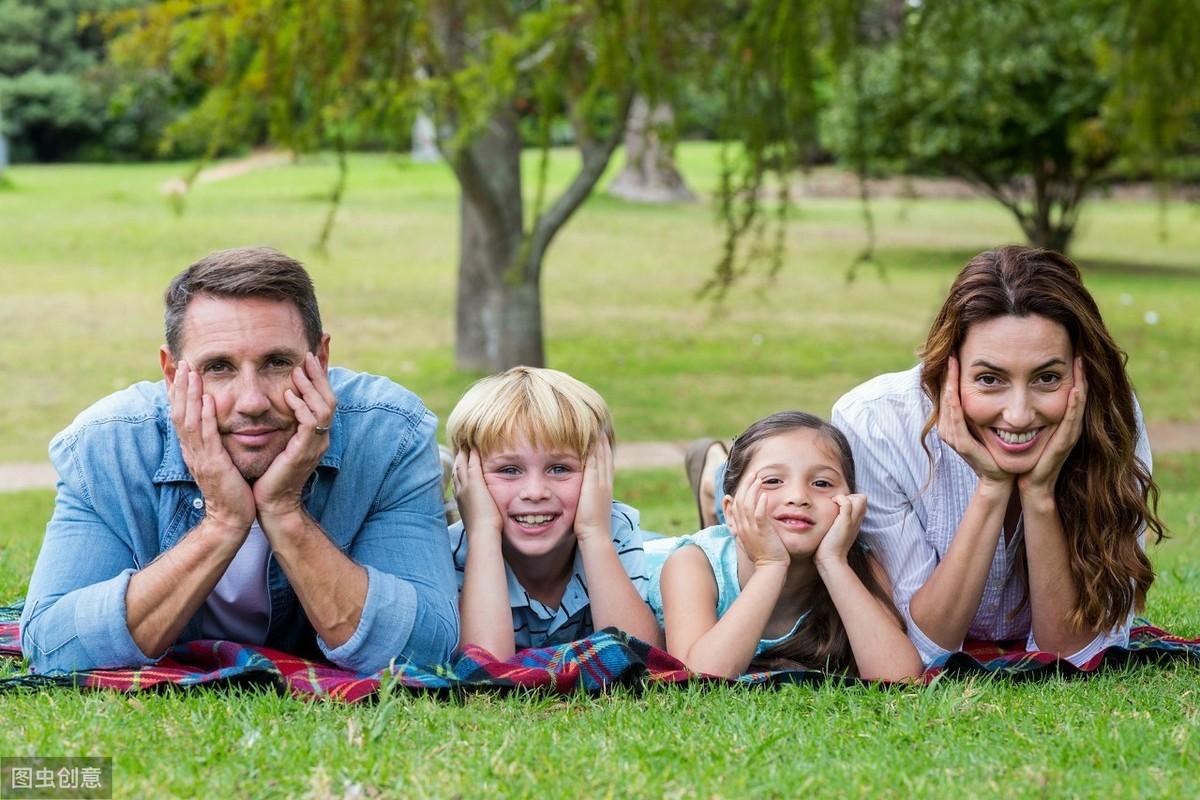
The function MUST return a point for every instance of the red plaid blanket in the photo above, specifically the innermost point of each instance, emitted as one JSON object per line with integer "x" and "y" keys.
{"x": 605, "y": 659}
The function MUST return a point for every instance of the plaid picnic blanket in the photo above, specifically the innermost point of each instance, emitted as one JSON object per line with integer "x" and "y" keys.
{"x": 605, "y": 659}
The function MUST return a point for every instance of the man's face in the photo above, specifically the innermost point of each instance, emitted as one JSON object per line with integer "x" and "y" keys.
{"x": 244, "y": 350}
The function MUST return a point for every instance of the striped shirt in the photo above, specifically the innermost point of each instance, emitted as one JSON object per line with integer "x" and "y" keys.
{"x": 536, "y": 624}
{"x": 912, "y": 517}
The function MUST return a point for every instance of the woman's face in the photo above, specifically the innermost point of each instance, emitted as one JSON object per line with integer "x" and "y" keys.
{"x": 1015, "y": 374}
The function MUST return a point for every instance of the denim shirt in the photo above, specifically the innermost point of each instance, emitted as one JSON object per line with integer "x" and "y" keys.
{"x": 125, "y": 496}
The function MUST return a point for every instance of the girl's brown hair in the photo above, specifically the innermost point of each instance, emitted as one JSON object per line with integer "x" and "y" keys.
{"x": 1105, "y": 494}
{"x": 821, "y": 642}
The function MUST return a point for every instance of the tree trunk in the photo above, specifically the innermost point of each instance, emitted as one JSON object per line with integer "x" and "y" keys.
{"x": 1042, "y": 232}
{"x": 650, "y": 175}
{"x": 499, "y": 312}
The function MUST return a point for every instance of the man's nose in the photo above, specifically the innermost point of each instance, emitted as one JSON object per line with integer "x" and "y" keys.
{"x": 252, "y": 398}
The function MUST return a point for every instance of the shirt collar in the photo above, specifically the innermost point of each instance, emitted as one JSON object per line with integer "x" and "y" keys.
{"x": 573, "y": 599}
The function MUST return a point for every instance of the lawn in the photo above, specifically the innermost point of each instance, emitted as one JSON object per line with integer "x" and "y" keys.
{"x": 86, "y": 250}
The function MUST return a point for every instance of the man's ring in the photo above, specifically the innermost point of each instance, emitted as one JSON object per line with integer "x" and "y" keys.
{"x": 320, "y": 429}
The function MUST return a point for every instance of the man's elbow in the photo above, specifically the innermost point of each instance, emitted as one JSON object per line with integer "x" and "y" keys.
{"x": 434, "y": 636}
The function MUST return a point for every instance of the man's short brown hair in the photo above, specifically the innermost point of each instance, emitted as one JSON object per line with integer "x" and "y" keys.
{"x": 243, "y": 272}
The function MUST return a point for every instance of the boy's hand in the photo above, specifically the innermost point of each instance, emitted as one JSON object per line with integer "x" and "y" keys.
{"x": 747, "y": 518}
{"x": 480, "y": 517}
{"x": 593, "y": 515}
{"x": 836, "y": 544}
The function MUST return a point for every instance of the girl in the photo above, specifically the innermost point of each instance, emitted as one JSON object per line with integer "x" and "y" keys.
{"x": 783, "y": 582}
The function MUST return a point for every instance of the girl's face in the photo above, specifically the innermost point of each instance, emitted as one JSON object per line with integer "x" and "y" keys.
{"x": 1015, "y": 375}
{"x": 537, "y": 492}
{"x": 801, "y": 474}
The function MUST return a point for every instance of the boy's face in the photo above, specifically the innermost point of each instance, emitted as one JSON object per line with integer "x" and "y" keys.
{"x": 537, "y": 492}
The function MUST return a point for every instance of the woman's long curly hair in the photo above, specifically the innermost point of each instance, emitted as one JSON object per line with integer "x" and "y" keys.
{"x": 1105, "y": 494}
{"x": 821, "y": 642}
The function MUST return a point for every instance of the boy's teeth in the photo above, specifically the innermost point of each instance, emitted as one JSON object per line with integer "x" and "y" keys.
{"x": 533, "y": 519}
{"x": 1015, "y": 438}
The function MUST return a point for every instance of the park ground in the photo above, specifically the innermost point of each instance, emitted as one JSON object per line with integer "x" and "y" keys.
{"x": 86, "y": 251}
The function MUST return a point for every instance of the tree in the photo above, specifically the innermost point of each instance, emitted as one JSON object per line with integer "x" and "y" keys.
{"x": 1017, "y": 98}
{"x": 323, "y": 70}
{"x": 44, "y": 54}
{"x": 320, "y": 71}
{"x": 650, "y": 174}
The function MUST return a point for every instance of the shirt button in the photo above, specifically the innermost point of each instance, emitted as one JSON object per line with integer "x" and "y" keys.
{"x": 197, "y": 504}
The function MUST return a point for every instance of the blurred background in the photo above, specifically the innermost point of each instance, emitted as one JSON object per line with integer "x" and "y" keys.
{"x": 708, "y": 210}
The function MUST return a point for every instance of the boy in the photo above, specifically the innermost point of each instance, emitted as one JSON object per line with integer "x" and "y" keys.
{"x": 533, "y": 479}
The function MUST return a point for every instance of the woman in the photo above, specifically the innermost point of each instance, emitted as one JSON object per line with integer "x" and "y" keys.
{"x": 1008, "y": 474}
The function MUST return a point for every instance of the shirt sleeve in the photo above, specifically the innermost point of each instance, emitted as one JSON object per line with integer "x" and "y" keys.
{"x": 891, "y": 528}
{"x": 74, "y": 617}
{"x": 627, "y": 538}
{"x": 411, "y": 608}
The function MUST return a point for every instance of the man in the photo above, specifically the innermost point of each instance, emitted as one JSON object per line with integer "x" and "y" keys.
{"x": 254, "y": 495}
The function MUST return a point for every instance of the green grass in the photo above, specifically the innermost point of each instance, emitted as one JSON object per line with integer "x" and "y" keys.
{"x": 1129, "y": 732}
{"x": 87, "y": 251}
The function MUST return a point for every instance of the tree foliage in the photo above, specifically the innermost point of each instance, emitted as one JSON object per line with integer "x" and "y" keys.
{"x": 60, "y": 96}
{"x": 1030, "y": 102}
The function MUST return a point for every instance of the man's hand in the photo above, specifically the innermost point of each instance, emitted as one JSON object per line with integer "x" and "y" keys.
{"x": 480, "y": 517}
{"x": 835, "y": 545}
{"x": 228, "y": 498}
{"x": 747, "y": 518}
{"x": 278, "y": 491}
{"x": 593, "y": 515}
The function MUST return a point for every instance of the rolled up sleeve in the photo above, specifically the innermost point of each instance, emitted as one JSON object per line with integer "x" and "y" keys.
{"x": 74, "y": 617}
{"x": 411, "y": 609}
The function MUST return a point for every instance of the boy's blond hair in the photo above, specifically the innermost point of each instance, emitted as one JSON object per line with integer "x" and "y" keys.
{"x": 550, "y": 408}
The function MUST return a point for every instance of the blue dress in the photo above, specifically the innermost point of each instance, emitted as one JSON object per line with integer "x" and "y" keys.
{"x": 720, "y": 547}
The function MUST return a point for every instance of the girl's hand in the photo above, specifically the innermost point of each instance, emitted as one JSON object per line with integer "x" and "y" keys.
{"x": 952, "y": 429}
{"x": 1044, "y": 474}
{"x": 593, "y": 515}
{"x": 746, "y": 514}
{"x": 480, "y": 517}
{"x": 840, "y": 537}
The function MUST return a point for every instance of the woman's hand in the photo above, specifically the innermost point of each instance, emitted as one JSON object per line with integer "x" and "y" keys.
{"x": 746, "y": 514}
{"x": 836, "y": 544}
{"x": 1044, "y": 475}
{"x": 952, "y": 429}
{"x": 593, "y": 515}
{"x": 480, "y": 517}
